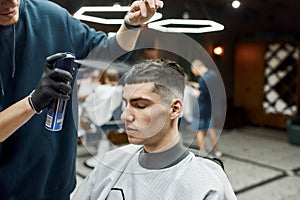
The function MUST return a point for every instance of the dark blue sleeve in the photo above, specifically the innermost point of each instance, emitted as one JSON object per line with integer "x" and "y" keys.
{"x": 94, "y": 44}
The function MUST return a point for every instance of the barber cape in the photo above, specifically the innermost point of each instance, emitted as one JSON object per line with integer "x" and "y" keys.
{"x": 119, "y": 176}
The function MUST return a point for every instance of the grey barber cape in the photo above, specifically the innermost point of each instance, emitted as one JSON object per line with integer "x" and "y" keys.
{"x": 122, "y": 174}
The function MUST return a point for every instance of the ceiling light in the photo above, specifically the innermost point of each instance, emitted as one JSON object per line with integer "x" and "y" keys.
{"x": 203, "y": 26}
{"x": 236, "y": 4}
{"x": 187, "y": 25}
{"x": 218, "y": 50}
{"x": 81, "y": 16}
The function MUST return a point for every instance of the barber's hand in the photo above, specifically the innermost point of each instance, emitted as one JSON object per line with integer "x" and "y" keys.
{"x": 141, "y": 11}
{"x": 54, "y": 84}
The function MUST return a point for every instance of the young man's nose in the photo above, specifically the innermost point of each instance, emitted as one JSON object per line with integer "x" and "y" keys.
{"x": 126, "y": 116}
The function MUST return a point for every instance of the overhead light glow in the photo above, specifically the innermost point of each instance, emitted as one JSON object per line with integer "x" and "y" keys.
{"x": 204, "y": 26}
{"x": 218, "y": 50}
{"x": 236, "y": 4}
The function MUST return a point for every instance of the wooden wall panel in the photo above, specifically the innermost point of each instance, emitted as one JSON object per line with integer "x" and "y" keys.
{"x": 249, "y": 83}
{"x": 249, "y": 75}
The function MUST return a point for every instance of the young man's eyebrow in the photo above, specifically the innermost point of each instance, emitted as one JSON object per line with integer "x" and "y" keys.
{"x": 137, "y": 99}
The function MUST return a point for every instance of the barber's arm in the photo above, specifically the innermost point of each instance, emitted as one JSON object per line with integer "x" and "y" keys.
{"x": 54, "y": 84}
{"x": 14, "y": 117}
{"x": 139, "y": 13}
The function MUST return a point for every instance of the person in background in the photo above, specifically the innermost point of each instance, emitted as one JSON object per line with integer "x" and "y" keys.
{"x": 36, "y": 163}
{"x": 87, "y": 81}
{"x": 190, "y": 106}
{"x": 102, "y": 106}
{"x": 155, "y": 165}
{"x": 87, "y": 84}
{"x": 204, "y": 121}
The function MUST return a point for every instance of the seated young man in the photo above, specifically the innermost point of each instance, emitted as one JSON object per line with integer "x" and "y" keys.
{"x": 155, "y": 165}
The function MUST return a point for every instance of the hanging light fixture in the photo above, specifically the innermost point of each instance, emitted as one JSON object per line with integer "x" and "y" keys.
{"x": 105, "y": 9}
{"x": 179, "y": 25}
{"x": 196, "y": 26}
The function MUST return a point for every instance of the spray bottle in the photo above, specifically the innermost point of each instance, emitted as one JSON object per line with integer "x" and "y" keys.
{"x": 56, "y": 109}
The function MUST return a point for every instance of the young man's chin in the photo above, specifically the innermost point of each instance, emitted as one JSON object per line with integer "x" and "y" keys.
{"x": 134, "y": 140}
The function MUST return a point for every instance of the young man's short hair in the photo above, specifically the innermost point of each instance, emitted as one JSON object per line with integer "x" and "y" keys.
{"x": 167, "y": 76}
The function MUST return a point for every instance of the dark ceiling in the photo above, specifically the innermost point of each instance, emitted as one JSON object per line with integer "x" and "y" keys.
{"x": 266, "y": 18}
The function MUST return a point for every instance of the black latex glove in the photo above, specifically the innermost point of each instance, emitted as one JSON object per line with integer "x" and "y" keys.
{"x": 54, "y": 84}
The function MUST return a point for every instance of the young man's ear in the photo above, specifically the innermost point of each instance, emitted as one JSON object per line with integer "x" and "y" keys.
{"x": 176, "y": 109}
